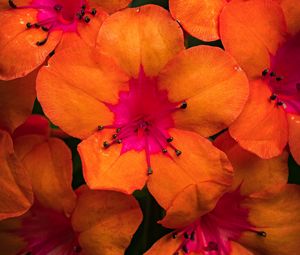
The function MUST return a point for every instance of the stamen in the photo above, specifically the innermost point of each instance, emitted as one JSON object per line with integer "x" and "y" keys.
{"x": 28, "y": 25}
{"x": 100, "y": 127}
{"x": 174, "y": 235}
{"x": 185, "y": 249}
{"x": 273, "y": 96}
{"x": 265, "y": 72}
{"x": 12, "y": 4}
{"x": 46, "y": 29}
{"x": 183, "y": 105}
{"x": 192, "y": 237}
{"x": 164, "y": 150}
{"x": 272, "y": 74}
{"x": 279, "y": 103}
{"x": 261, "y": 233}
{"x": 51, "y": 53}
{"x": 106, "y": 144}
{"x": 178, "y": 152}
{"x": 87, "y": 19}
{"x": 83, "y": 7}
{"x": 41, "y": 43}
{"x": 170, "y": 139}
{"x": 94, "y": 11}
{"x": 37, "y": 25}
{"x": 114, "y": 136}
{"x": 57, "y": 7}
{"x": 149, "y": 170}
{"x": 279, "y": 78}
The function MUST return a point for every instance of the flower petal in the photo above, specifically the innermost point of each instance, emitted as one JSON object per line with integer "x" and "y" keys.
{"x": 49, "y": 164}
{"x": 75, "y": 102}
{"x": 165, "y": 245}
{"x": 251, "y": 31}
{"x": 291, "y": 10}
{"x": 270, "y": 213}
{"x": 106, "y": 221}
{"x": 146, "y": 36}
{"x": 294, "y": 136}
{"x": 17, "y": 98}
{"x": 108, "y": 168}
{"x": 262, "y": 126}
{"x": 16, "y": 192}
{"x": 251, "y": 173}
{"x": 204, "y": 23}
{"x": 200, "y": 166}
{"x": 237, "y": 249}
{"x": 19, "y": 52}
{"x": 211, "y": 83}
{"x": 111, "y": 6}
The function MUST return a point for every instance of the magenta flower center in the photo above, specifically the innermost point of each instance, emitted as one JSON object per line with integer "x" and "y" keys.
{"x": 57, "y": 15}
{"x": 46, "y": 231}
{"x": 211, "y": 234}
{"x": 143, "y": 116}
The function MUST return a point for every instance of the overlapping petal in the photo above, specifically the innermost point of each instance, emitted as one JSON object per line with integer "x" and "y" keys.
{"x": 150, "y": 38}
{"x": 294, "y": 136}
{"x": 111, "y": 6}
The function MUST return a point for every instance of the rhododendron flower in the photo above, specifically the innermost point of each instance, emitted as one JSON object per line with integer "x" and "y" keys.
{"x": 271, "y": 116}
{"x": 32, "y": 29}
{"x": 242, "y": 221}
{"x": 140, "y": 117}
{"x": 61, "y": 221}
{"x": 204, "y": 19}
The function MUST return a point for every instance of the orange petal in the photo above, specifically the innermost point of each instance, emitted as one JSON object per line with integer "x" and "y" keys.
{"x": 200, "y": 166}
{"x": 110, "y": 6}
{"x": 17, "y": 98}
{"x": 237, "y": 249}
{"x": 294, "y": 136}
{"x": 291, "y": 10}
{"x": 106, "y": 221}
{"x": 146, "y": 36}
{"x": 277, "y": 215}
{"x": 18, "y": 50}
{"x": 165, "y": 245}
{"x": 262, "y": 126}
{"x": 49, "y": 164}
{"x": 75, "y": 102}
{"x": 108, "y": 168}
{"x": 16, "y": 192}
{"x": 252, "y": 173}
{"x": 211, "y": 83}
{"x": 204, "y": 23}
{"x": 251, "y": 31}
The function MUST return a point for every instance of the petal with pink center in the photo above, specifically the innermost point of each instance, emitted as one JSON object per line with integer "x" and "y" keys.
{"x": 212, "y": 84}
{"x": 145, "y": 36}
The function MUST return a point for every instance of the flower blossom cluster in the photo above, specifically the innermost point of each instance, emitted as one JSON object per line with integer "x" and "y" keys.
{"x": 105, "y": 105}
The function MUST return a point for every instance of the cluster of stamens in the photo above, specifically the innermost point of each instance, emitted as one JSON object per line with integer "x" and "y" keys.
{"x": 143, "y": 126}
{"x": 48, "y": 24}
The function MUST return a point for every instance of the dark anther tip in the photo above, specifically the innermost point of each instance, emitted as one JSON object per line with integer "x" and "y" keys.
{"x": 37, "y": 25}
{"x": 185, "y": 249}
{"x": 265, "y": 72}
{"x": 192, "y": 237}
{"x": 119, "y": 141}
{"x": 41, "y": 43}
{"x": 114, "y": 136}
{"x": 183, "y": 105}
{"x": 79, "y": 16}
{"x": 279, "y": 78}
{"x": 82, "y": 12}
{"x": 178, "y": 153}
{"x": 83, "y": 7}
{"x": 170, "y": 139}
{"x": 273, "y": 97}
{"x": 51, "y": 53}
{"x": 28, "y": 25}
{"x": 46, "y": 29}
{"x": 279, "y": 103}
{"x": 100, "y": 127}
{"x": 186, "y": 235}
{"x": 174, "y": 235}
{"x": 12, "y": 4}
{"x": 149, "y": 171}
{"x": 106, "y": 144}
{"x": 57, "y": 7}
{"x": 118, "y": 130}
{"x": 77, "y": 249}
{"x": 262, "y": 233}
{"x": 94, "y": 11}
{"x": 87, "y": 19}
{"x": 272, "y": 74}
{"x": 164, "y": 150}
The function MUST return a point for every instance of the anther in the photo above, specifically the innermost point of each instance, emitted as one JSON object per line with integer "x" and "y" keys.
{"x": 41, "y": 43}
{"x": 170, "y": 139}
{"x": 83, "y": 7}
{"x": 28, "y": 25}
{"x": 51, "y": 53}
{"x": 118, "y": 130}
{"x": 174, "y": 235}
{"x": 57, "y": 7}
{"x": 114, "y": 136}
{"x": 185, "y": 249}
{"x": 272, "y": 74}
{"x": 106, "y": 144}
{"x": 273, "y": 97}
{"x": 265, "y": 72}
{"x": 279, "y": 78}
{"x": 37, "y": 25}
{"x": 192, "y": 237}
{"x": 262, "y": 233}
{"x": 183, "y": 105}
{"x": 94, "y": 11}
{"x": 164, "y": 150}
{"x": 87, "y": 19}
{"x": 100, "y": 127}
{"x": 46, "y": 29}
{"x": 149, "y": 171}
{"x": 12, "y": 4}
{"x": 82, "y": 12}
{"x": 79, "y": 16}
{"x": 279, "y": 103}
{"x": 119, "y": 141}
{"x": 186, "y": 235}
{"x": 178, "y": 152}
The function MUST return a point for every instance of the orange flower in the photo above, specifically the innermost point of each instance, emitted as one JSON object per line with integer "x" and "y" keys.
{"x": 271, "y": 116}
{"x": 249, "y": 219}
{"x": 33, "y": 29}
{"x": 62, "y": 221}
{"x": 140, "y": 117}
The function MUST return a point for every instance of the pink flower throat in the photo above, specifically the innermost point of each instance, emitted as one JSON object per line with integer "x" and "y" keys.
{"x": 57, "y": 15}
{"x": 211, "y": 234}
{"x": 46, "y": 231}
{"x": 143, "y": 116}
